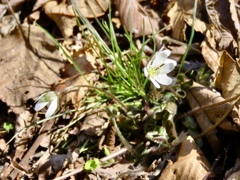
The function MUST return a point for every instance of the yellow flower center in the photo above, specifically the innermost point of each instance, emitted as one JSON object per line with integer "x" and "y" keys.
{"x": 152, "y": 71}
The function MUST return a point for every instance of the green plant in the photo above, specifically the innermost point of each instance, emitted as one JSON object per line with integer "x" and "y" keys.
{"x": 8, "y": 126}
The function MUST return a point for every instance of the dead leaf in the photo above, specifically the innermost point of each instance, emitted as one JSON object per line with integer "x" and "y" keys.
{"x": 27, "y": 68}
{"x": 95, "y": 123}
{"x": 116, "y": 169}
{"x": 224, "y": 32}
{"x": 76, "y": 92}
{"x": 181, "y": 13}
{"x": 210, "y": 55}
{"x": 49, "y": 164}
{"x": 235, "y": 13}
{"x": 8, "y": 23}
{"x": 134, "y": 17}
{"x": 228, "y": 76}
{"x": 63, "y": 15}
{"x": 205, "y": 96}
{"x": 200, "y": 96}
{"x": 99, "y": 7}
{"x": 191, "y": 163}
{"x": 234, "y": 172}
{"x": 31, "y": 151}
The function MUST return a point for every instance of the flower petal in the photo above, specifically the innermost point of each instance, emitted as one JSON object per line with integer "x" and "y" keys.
{"x": 160, "y": 57}
{"x": 39, "y": 105}
{"x": 52, "y": 108}
{"x": 163, "y": 79}
{"x": 167, "y": 67}
{"x": 155, "y": 82}
{"x": 145, "y": 71}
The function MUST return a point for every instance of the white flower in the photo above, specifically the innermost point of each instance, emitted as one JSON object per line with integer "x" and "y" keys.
{"x": 49, "y": 99}
{"x": 158, "y": 68}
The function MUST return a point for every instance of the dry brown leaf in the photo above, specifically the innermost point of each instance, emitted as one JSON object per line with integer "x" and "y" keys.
{"x": 199, "y": 96}
{"x": 63, "y": 15}
{"x": 224, "y": 31}
{"x": 95, "y": 123}
{"x": 8, "y": 23}
{"x": 21, "y": 141}
{"x": 204, "y": 123}
{"x": 120, "y": 167}
{"x": 134, "y": 17}
{"x": 234, "y": 176}
{"x": 99, "y": 7}
{"x": 77, "y": 93}
{"x": 15, "y": 4}
{"x": 27, "y": 68}
{"x": 228, "y": 76}
{"x": 234, "y": 172}
{"x": 191, "y": 163}
{"x": 210, "y": 55}
{"x": 81, "y": 61}
{"x": 205, "y": 96}
{"x": 235, "y": 13}
{"x": 182, "y": 13}
{"x": 49, "y": 164}
{"x": 24, "y": 163}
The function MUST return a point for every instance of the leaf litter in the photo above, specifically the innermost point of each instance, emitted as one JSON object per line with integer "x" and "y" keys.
{"x": 60, "y": 148}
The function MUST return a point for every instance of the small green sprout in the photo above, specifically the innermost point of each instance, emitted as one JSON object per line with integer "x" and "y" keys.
{"x": 92, "y": 164}
{"x": 8, "y": 126}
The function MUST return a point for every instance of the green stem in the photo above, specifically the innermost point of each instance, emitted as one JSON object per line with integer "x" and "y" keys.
{"x": 191, "y": 37}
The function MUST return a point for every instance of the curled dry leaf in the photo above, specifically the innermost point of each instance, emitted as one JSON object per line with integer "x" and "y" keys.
{"x": 210, "y": 55}
{"x": 63, "y": 15}
{"x": 134, "y": 17}
{"x": 228, "y": 76}
{"x": 191, "y": 163}
{"x": 224, "y": 32}
{"x": 200, "y": 96}
{"x": 235, "y": 13}
{"x": 181, "y": 13}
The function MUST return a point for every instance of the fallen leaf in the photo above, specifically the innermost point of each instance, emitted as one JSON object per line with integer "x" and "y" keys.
{"x": 181, "y": 14}
{"x": 191, "y": 163}
{"x": 8, "y": 23}
{"x": 134, "y": 17}
{"x": 204, "y": 123}
{"x": 95, "y": 123}
{"x": 116, "y": 169}
{"x": 235, "y": 13}
{"x": 76, "y": 92}
{"x": 205, "y": 96}
{"x": 200, "y": 96}
{"x": 210, "y": 55}
{"x": 228, "y": 76}
{"x": 234, "y": 172}
{"x": 63, "y": 15}
{"x": 27, "y": 68}
{"x": 224, "y": 32}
